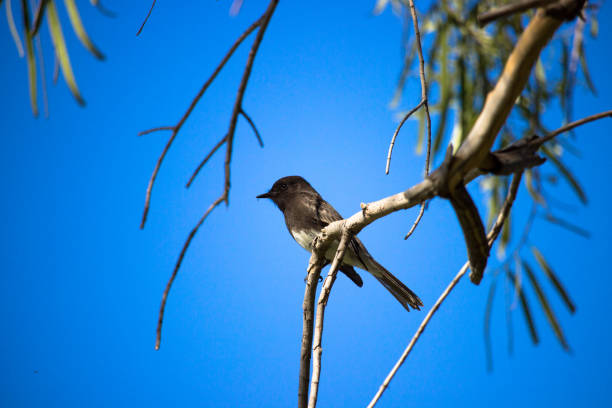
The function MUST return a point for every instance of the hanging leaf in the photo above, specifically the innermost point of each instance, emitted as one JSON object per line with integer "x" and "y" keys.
{"x": 102, "y": 9}
{"x": 566, "y": 174}
{"x": 487, "y": 326}
{"x": 553, "y": 278}
{"x": 546, "y": 306}
{"x": 61, "y": 51}
{"x": 79, "y": 29}
{"x": 567, "y": 225}
{"x": 533, "y": 192}
{"x": 509, "y": 325}
{"x": 524, "y": 305}
{"x": 585, "y": 70}
{"x": 30, "y": 58}
{"x": 12, "y": 28}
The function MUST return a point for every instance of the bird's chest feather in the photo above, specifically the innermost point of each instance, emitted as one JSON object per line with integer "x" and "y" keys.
{"x": 304, "y": 238}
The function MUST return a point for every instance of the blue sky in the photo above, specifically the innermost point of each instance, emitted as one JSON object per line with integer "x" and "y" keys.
{"x": 82, "y": 283}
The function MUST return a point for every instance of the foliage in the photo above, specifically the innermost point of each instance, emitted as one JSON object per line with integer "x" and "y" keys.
{"x": 462, "y": 61}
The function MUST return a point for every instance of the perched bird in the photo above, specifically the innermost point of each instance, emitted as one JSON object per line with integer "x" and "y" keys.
{"x": 306, "y": 213}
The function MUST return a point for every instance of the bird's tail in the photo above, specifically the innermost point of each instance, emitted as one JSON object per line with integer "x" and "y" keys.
{"x": 400, "y": 291}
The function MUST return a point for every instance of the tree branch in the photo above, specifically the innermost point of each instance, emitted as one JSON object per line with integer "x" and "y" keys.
{"x": 178, "y": 265}
{"x": 262, "y": 23}
{"x": 176, "y": 128}
{"x": 321, "y": 304}
{"x": 146, "y": 19}
{"x": 510, "y": 9}
{"x": 491, "y": 237}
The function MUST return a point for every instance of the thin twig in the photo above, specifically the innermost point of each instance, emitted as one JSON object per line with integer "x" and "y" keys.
{"x": 156, "y": 129}
{"x": 205, "y": 160}
{"x": 397, "y": 131}
{"x": 510, "y": 9}
{"x": 572, "y": 125}
{"x": 425, "y": 103}
{"x": 491, "y": 237}
{"x": 321, "y": 304}
{"x": 248, "y": 118}
{"x": 178, "y": 265}
{"x": 265, "y": 19}
{"x": 177, "y": 128}
{"x": 146, "y": 19}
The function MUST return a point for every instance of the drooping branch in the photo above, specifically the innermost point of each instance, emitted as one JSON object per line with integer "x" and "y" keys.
{"x": 491, "y": 237}
{"x": 262, "y": 24}
{"x": 178, "y": 265}
{"x": 176, "y": 128}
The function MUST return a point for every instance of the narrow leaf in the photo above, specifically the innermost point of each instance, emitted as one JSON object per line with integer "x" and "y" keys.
{"x": 553, "y": 278}
{"x": 102, "y": 9}
{"x": 30, "y": 58}
{"x": 567, "y": 225}
{"x": 524, "y": 305}
{"x": 79, "y": 29}
{"x": 566, "y": 174}
{"x": 487, "y": 326}
{"x": 585, "y": 70}
{"x": 533, "y": 192}
{"x": 509, "y": 324}
{"x": 13, "y": 29}
{"x": 546, "y": 306}
{"x": 61, "y": 51}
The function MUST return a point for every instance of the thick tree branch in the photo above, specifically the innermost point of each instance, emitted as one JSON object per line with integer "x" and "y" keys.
{"x": 491, "y": 237}
{"x": 510, "y": 9}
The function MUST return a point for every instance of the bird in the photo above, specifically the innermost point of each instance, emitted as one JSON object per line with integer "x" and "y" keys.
{"x": 307, "y": 213}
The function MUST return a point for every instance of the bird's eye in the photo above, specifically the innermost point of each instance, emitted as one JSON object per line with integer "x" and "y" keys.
{"x": 283, "y": 186}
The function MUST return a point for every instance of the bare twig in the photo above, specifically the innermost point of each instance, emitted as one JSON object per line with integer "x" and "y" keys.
{"x": 424, "y": 103}
{"x": 572, "y": 125}
{"x": 178, "y": 265}
{"x": 491, "y": 237}
{"x": 390, "y": 152}
{"x": 205, "y": 160}
{"x": 510, "y": 9}
{"x": 321, "y": 304}
{"x": 146, "y": 19}
{"x": 156, "y": 129}
{"x": 176, "y": 128}
{"x": 262, "y": 23}
{"x": 248, "y": 118}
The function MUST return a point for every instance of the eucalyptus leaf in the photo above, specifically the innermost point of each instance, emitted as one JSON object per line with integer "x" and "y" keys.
{"x": 553, "y": 279}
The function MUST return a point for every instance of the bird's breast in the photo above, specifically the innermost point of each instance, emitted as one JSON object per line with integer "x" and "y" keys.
{"x": 304, "y": 238}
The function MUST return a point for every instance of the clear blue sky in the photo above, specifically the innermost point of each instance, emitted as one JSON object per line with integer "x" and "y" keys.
{"x": 82, "y": 284}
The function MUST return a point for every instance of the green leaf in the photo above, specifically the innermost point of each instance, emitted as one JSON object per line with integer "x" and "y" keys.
{"x": 566, "y": 174}
{"x": 79, "y": 29}
{"x": 57, "y": 37}
{"x": 553, "y": 278}
{"x": 524, "y": 305}
{"x": 546, "y": 306}
{"x": 533, "y": 192}
{"x": 585, "y": 70}
{"x": 30, "y": 58}
{"x": 487, "y": 326}
{"x": 594, "y": 29}
{"x": 567, "y": 225}
{"x": 12, "y": 28}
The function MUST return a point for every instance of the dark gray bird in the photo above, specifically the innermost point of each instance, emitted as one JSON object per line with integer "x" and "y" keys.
{"x": 306, "y": 213}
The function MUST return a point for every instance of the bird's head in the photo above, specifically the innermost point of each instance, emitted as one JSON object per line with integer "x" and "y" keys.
{"x": 285, "y": 189}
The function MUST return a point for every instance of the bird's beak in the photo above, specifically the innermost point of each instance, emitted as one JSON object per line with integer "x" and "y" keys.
{"x": 264, "y": 195}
